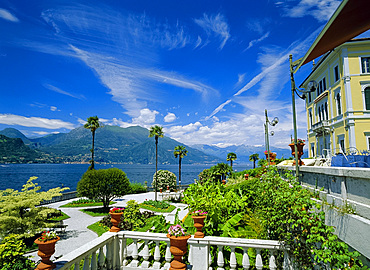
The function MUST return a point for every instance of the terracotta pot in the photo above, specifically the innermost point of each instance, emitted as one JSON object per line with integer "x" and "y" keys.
{"x": 198, "y": 224}
{"x": 115, "y": 219}
{"x": 178, "y": 248}
{"x": 46, "y": 250}
{"x": 299, "y": 153}
{"x": 272, "y": 158}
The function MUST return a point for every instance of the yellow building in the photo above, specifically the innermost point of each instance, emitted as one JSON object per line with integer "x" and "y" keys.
{"x": 338, "y": 112}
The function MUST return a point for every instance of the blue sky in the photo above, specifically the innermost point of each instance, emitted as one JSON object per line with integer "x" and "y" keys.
{"x": 204, "y": 70}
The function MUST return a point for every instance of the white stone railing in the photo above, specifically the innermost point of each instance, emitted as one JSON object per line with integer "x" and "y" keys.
{"x": 111, "y": 252}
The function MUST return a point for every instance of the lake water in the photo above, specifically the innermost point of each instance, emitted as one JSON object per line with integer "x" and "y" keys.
{"x": 57, "y": 175}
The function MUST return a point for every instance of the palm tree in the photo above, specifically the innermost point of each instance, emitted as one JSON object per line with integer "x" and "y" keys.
{"x": 156, "y": 132}
{"x": 254, "y": 158}
{"x": 231, "y": 157}
{"x": 180, "y": 151}
{"x": 92, "y": 124}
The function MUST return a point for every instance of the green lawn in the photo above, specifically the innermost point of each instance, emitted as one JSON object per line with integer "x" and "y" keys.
{"x": 60, "y": 218}
{"x": 84, "y": 204}
{"x": 155, "y": 209}
{"x": 96, "y": 212}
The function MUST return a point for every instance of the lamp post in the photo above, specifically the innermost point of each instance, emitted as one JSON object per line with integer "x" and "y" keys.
{"x": 312, "y": 85}
{"x": 272, "y": 123}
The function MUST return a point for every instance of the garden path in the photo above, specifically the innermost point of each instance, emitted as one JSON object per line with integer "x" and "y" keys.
{"x": 77, "y": 233}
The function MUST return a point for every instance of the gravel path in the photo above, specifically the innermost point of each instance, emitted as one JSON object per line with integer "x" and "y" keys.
{"x": 77, "y": 233}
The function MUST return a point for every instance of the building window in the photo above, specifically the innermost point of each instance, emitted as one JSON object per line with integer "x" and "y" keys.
{"x": 365, "y": 61}
{"x": 339, "y": 109}
{"x": 310, "y": 119}
{"x": 336, "y": 74}
{"x": 341, "y": 144}
{"x": 312, "y": 150}
{"x": 326, "y": 111}
{"x": 319, "y": 114}
{"x": 309, "y": 97}
{"x": 367, "y": 98}
{"x": 322, "y": 86}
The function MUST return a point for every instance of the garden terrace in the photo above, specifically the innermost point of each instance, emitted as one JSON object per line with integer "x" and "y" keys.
{"x": 111, "y": 252}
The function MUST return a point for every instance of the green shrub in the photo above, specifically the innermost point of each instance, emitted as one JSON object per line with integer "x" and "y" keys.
{"x": 137, "y": 188}
{"x": 132, "y": 214}
{"x": 103, "y": 185}
{"x": 157, "y": 204}
{"x": 165, "y": 178}
{"x": 272, "y": 208}
{"x": 12, "y": 257}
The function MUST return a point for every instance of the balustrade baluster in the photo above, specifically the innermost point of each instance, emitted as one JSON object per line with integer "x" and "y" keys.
{"x": 272, "y": 263}
{"x": 101, "y": 258}
{"x": 77, "y": 265}
{"x": 287, "y": 263}
{"x": 124, "y": 252}
{"x": 109, "y": 255}
{"x": 94, "y": 265}
{"x": 245, "y": 262}
{"x": 167, "y": 256}
{"x": 259, "y": 263}
{"x": 220, "y": 258}
{"x": 135, "y": 254}
{"x": 233, "y": 262}
{"x": 145, "y": 252}
{"x": 157, "y": 256}
{"x": 86, "y": 263}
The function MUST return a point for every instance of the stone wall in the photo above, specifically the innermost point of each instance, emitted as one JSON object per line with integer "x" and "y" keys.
{"x": 345, "y": 190}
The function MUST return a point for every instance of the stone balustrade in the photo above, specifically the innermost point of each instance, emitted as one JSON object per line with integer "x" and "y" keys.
{"x": 110, "y": 251}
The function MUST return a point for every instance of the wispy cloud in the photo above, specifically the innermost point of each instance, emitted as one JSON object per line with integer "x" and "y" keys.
{"x": 60, "y": 91}
{"x": 215, "y": 25}
{"x": 270, "y": 76}
{"x": 321, "y": 10}
{"x": 6, "y": 15}
{"x": 12, "y": 119}
{"x": 131, "y": 86}
{"x": 255, "y": 41}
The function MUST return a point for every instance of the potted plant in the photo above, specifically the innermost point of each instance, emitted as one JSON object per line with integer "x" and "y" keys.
{"x": 199, "y": 216}
{"x": 46, "y": 243}
{"x": 115, "y": 214}
{"x": 300, "y": 144}
{"x": 178, "y": 245}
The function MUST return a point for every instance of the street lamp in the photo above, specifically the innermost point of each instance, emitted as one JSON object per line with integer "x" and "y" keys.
{"x": 312, "y": 85}
{"x": 272, "y": 123}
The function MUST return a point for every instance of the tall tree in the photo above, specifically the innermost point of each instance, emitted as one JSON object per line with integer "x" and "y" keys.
{"x": 231, "y": 157}
{"x": 92, "y": 124}
{"x": 156, "y": 132}
{"x": 254, "y": 158}
{"x": 180, "y": 152}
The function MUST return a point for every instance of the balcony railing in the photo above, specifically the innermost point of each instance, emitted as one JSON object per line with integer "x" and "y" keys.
{"x": 110, "y": 251}
{"x": 320, "y": 127}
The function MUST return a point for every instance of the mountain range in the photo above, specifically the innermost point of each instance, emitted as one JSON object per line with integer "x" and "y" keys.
{"x": 114, "y": 144}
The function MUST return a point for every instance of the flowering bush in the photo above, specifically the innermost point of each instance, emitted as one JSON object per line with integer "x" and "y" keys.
{"x": 165, "y": 178}
{"x": 199, "y": 213}
{"x": 47, "y": 235}
{"x": 299, "y": 141}
{"x": 117, "y": 210}
{"x": 176, "y": 230}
